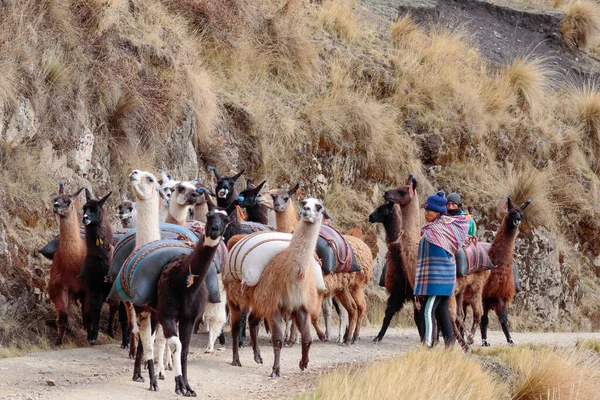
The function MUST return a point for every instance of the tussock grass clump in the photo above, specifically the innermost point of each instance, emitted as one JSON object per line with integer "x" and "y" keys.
{"x": 530, "y": 79}
{"x": 585, "y": 115}
{"x": 551, "y": 373}
{"x": 582, "y": 22}
{"x": 420, "y": 374}
{"x": 402, "y": 28}
{"x": 337, "y": 17}
{"x": 589, "y": 344}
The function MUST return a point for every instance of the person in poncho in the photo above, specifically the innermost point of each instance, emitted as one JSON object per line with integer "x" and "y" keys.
{"x": 442, "y": 236}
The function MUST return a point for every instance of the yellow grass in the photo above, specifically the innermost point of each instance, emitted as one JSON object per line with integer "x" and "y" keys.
{"x": 582, "y": 23}
{"x": 402, "y": 28}
{"x": 529, "y": 79}
{"x": 337, "y": 17}
{"x": 420, "y": 374}
{"x": 585, "y": 115}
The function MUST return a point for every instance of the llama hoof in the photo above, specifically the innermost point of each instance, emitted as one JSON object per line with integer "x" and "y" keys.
{"x": 236, "y": 363}
{"x": 138, "y": 378}
{"x": 258, "y": 359}
{"x": 510, "y": 342}
{"x": 169, "y": 366}
{"x": 153, "y": 387}
{"x": 377, "y": 339}
{"x": 470, "y": 340}
{"x": 92, "y": 342}
{"x": 58, "y": 342}
{"x": 275, "y": 373}
{"x": 161, "y": 376}
{"x": 485, "y": 344}
{"x": 131, "y": 356}
{"x": 355, "y": 340}
{"x": 124, "y": 345}
{"x": 208, "y": 351}
{"x": 303, "y": 364}
{"x": 221, "y": 339}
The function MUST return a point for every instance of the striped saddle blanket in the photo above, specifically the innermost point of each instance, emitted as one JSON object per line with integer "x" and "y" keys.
{"x": 335, "y": 252}
{"x": 473, "y": 258}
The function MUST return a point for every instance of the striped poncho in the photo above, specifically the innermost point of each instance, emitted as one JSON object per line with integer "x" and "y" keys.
{"x": 436, "y": 269}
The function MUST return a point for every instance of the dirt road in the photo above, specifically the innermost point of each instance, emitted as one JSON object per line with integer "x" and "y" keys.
{"x": 104, "y": 372}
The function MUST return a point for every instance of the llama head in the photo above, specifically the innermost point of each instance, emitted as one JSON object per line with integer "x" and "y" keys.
{"x": 225, "y": 184}
{"x": 217, "y": 219}
{"x": 92, "y": 209}
{"x": 281, "y": 197}
{"x": 313, "y": 211}
{"x": 382, "y": 213}
{"x": 514, "y": 214}
{"x": 402, "y": 194}
{"x": 186, "y": 194}
{"x": 63, "y": 204}
{"x": 126, "y": 209}
{"x": 251, "y": 194}
{"x": 145, "y": 186}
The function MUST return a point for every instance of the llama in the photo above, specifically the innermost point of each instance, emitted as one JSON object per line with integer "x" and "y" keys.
{"x": 63, "y": 286}
{"x": 184, "y": 196}
{"x": 286, "y": 286}
{"x": 347, "y": 287}
{"x": 396, "y": 283}
{"x": 407, "y": 198}
{"x": 99, "y": 243}
{"x": 127, "y": 212}
{"x": 500, "y": 286}
{"x": 201, "y": 207}
{"x": 182, "y": 296}
{"x": 225, "y": 188}
{"x": 147, "y": 192}
{"x": 256, "y": 211}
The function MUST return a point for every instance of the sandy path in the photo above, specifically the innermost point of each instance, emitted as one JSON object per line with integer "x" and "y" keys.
{"x": 104, "y": 372}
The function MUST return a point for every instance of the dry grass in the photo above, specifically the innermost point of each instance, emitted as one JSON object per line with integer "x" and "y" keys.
{"x": 589, "y": 344}
{"x": 581, "y": 24}
{"x": 337, "y": 17}
{"x": 402, "y": 28}
{"x": 585, "y": 116}
{"x": 420, "y": 374}
{"x": 530, "y": 79}
{"x": 551, "y": 373}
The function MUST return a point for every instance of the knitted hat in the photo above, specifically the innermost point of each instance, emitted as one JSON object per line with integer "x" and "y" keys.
{"x": 455, "y": 198}
{"x": 437, "y": 202}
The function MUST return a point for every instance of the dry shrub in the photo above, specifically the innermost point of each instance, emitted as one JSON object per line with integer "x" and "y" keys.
{"x": 420, "y": 374}
{"x": 590, "y": 344}
{"x": 550, "y": 373}
{"x": 337, "y": 17}
{"x": 530, "y": 80}
{"x": 402, "y": 28}
{"x": 582, "y": 22}
{"x": 585, "y": 115}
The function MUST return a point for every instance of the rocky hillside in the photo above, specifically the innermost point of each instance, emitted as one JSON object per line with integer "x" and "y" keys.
{"x": 348, "y": 97}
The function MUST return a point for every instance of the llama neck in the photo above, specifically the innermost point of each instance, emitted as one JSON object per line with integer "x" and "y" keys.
{"x": 202, "y": 256}
{"x": 70, "y": 237}
{"x": 287, "y": 220}
{"x": 200, "y": 211}
{"x": 302, "y": 247}
{"x": 501, "y": 251}
{"x": 147, "y": 229}
{"x": 410, "y": 239}
{"x": 178, "y": 214}
{"x": 258, "y": 213}
{"x": 98, "y": 238}
{"x": 393, "y": 226}
{"x": 227, "y": 201}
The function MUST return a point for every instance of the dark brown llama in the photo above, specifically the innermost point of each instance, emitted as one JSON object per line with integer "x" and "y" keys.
{"x": 500, "y": 286}
{"x": 100, "y": 243}
{"x": 64, "y": 286}
{"x": 256, "y": 211}
{"x": 182, "y": 294}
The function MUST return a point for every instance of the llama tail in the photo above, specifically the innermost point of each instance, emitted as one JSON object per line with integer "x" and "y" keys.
{"x": 356, "y": 232}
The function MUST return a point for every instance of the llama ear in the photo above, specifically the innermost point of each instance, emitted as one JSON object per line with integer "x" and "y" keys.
{"x": 88, "y": 195}
{"x": 162, "y": 194}
{"x": 259, "y": 187}
{"x": 103, "y": 200}
{"x": 214, "y": 171}
{"x": 326, "y": 215}
{"x": 237, "y": 176}
{"x": 61, "y": 187}
{"x": 76, "y": 194}
{"x": 508, "y": 205}
{"x": 524, "y": 205}
{"x": 249, "y": 184}
{"x": 209, "y": 201}
{"x": 293, "y": 190}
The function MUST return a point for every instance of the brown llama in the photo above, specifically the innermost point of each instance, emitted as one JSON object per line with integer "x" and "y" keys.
{"x": 347, "y": 287}
{"x": 64, "y": 286}
{"x": 126, "y": 212}
{"x": 408, "y": 199}
{"x": 286, "y": 286}
{"x": 500, "y": 286}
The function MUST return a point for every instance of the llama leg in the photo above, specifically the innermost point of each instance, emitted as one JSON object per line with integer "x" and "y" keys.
{"x": 161, "y": 343}
{"x": 394, "y": 304}
{"x": 211, "y": 335}
{"x": 145, "y": 324}
{"x": 350, "y": 306}
{"x": 62, "y": 303}
{"x": 484, "y": 325}
{"x": 361, "y": 306}
{"x": 477, "y": 307}
{"x": 502, "y": 314}
{"x": 420, "y": 322}
{"x": 168, "y": 358}
{"x": 343, "y": 328}
{"x": 315, "y": 323}
{"x": 243, "y": 318}
{"x": 277, "y": 340}
{"x": 134, "y": 329}
{"x": 185, "y": 333}
{"x": 95, "y": 300}
{"x": 327, "y": 309}
{"x": 235, "y": 316}
{"x": 301, "y": 318}
{"x": 170, "y": 332}
{"x": 288, "y": 327}
{"x": 137, "y": 366}
{"x": 113, "y": 306}
{"x": 447, "y": 311}
{"x": 124, "y": 326}
{"x": 254, "y": 322}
